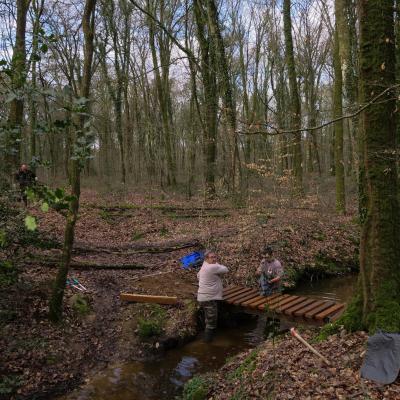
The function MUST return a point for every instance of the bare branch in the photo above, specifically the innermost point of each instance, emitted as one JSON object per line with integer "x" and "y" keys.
{"x": 277, "y": 131}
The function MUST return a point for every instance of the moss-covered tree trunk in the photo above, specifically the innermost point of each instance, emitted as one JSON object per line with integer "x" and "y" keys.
{"x": 295, "y": 107}
{"x": 210, "y": 96}
{"x": 337, "y": 113}
{"x": 227, "y": 94}
{"x": 377, "y": 305}
{"x": 56, "y": 301}
{"x": 18, "y": 78}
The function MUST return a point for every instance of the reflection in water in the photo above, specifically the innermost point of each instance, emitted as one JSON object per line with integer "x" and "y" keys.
{"x": 338, "y": 289}
{"x": 163, "y": 378}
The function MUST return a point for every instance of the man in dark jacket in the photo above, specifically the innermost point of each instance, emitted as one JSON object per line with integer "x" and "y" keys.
{"x": 26, "y": 179}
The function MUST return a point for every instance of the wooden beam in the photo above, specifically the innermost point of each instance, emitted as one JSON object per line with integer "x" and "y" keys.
{"x": 298, "y": 306}
{"x": 144, "y": 298}
{"x": 322, "y": 307}
{"x": 258, "y": 298}
{"x": 302, "y": 311}
{"x": 330, "y": 311}
{"x": 238, "y": 300}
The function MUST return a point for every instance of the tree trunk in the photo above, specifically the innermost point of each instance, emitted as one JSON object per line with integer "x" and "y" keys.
{"x": 18, "y": 78}
{"x": 56, "y": 301}
{"x": 377, "y": 304}
{"x": 210, "y": 99}
{"x": 227, "y": 95}
{"x": 295, "y": 108}
{"x": 337, "y": 113}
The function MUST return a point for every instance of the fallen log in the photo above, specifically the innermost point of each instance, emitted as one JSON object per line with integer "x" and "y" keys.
{"x": 82, "y": 265}
{"x": 144, "y": 298}
{"x": 198, "y": 215}
{"x": 136, "y": 249}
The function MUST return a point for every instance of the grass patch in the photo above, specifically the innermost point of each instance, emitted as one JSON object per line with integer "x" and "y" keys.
{"x": 80, "y": 305}
{"x": 247, "y": 366}
{"x": 196, "y": 389}
{"x": 9, "y": 384}
{"x": 8, "y": 274}
{"x": 138, "y": 235}
{"x": 164, "y": 231}
{"x": 153, "y": 323}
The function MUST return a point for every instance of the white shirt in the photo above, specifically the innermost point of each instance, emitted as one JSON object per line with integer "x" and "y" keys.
{"x": 210, "y": 283}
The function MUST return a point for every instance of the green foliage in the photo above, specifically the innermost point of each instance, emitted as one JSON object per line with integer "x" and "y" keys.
{"x": 196, "y": 389}
{"x": 328, "y": 330}
{"x": 8, "y": 274}
{"x": 30, "y": 223}
{"x": 9, "y": 384}
{"x": 247, "y": 366}
{"x": 153, "y": 323}
{"x": 80, "y": 305}
{"x": 57, "y": 198}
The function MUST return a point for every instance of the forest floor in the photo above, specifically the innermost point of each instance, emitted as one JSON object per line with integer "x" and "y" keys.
{"x": 132, "y": 243}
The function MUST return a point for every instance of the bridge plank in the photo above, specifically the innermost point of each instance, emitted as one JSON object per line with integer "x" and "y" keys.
{"x": 302, "y": 311}
{"x": 230, "y": 289}
{"x": 264, "y": 300}
{"x": 331, "y": 310}
{"x": 248, "y": 296}
{"x": 237, "y": 293}
{"x": 322, "y": 307}
{"x": 290, "y": 304}
{"x": 235, "y": 290}
{"x": 259, "y": 297}
{"x": 298, "y": 306}
{"x": 280, "y": 304}
{"x": 276, "y": 300}
{"x": 334, "y": 317}
{"x": 251, "y": 292}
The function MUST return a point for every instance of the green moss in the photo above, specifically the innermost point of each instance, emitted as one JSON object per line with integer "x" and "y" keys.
{"x": 196, "y": 389}
{"x": 386, "y": 315}
{"x": 352, "y": 317}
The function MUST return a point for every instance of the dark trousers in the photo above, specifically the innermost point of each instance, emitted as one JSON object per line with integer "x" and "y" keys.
{"x": 210, "y": 309}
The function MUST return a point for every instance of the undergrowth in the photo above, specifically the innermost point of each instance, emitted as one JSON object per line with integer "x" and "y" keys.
{"x": 196, "y": 389}
{"x": 152, "y": 323}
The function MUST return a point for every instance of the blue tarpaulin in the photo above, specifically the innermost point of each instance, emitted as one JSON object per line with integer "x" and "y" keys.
{"x": 192, "y": 260}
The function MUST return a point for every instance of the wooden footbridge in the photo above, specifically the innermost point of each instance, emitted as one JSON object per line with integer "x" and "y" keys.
{"x": 306, "y": 309}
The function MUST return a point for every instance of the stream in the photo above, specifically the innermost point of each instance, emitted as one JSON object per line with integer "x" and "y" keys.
{"x": 164, "y": 378}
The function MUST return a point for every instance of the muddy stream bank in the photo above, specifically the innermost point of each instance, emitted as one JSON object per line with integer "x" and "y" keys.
{"x": 165, "y": 376}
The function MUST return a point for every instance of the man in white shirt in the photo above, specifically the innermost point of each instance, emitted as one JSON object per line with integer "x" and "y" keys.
{"x": 210, "y": 291}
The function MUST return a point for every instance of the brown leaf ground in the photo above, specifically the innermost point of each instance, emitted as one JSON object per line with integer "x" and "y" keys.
{"x": 44, "y": 359}
{"x": 287, "y": 370}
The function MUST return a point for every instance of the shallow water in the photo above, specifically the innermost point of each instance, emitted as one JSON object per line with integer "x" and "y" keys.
{"x": 339, "y": 289}
{"x": 164, "y": 378}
